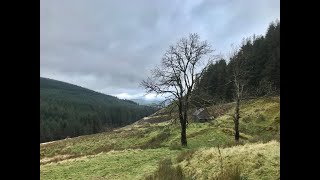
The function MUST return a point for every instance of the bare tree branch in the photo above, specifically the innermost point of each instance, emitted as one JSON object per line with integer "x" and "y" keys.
{"x": 177, "y": 74}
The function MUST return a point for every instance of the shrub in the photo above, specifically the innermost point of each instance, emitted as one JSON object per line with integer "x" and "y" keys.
{"x": 166, "y": 171}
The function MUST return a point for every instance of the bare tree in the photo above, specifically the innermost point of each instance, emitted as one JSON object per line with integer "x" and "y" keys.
{"x": 239, "y": 80}
{"x": 179, "y": 70}
{"x": 240, "y": 72}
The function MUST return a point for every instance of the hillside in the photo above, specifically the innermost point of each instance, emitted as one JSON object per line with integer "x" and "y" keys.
{"x": 261, "y": 67}
{"x": 70, "y": 110}
{"x": 142, "y": 101}
{"x": 145, "y": 150}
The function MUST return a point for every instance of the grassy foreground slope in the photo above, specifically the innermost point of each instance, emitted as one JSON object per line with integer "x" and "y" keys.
{"x": 133, "y": 152}
{"x": 256, "y": 161}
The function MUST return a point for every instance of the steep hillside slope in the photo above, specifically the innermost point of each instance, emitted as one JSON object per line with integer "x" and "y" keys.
{"x": 70, "y": 110}
{"x": 134, "y": 151}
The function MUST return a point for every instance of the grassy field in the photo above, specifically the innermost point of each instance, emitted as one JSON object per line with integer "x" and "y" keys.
{"x": 256, "y": 161}
{"x": 134, "y": 152}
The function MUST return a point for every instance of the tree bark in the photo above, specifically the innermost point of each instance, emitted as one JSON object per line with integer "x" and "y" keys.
{"x": 183, "y": 125}
{"x": 236, "y": 121}
{"x": 183, "y": 133}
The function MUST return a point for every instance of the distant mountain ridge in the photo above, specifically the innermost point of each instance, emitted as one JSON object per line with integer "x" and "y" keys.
{"x": 146, "y": 102}
{"x": 56, "y": 84}
{"x": 71, "y": 110}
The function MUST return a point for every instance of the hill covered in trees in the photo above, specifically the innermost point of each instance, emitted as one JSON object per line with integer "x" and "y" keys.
{"x": 261, "y": 71}
{"x": 70, "y": 110}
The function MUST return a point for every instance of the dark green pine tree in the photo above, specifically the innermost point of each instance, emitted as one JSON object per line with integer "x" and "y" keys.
{"x": 262, "y": 67}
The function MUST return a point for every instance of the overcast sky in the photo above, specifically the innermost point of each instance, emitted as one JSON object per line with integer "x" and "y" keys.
{"x": 110, "y": 45}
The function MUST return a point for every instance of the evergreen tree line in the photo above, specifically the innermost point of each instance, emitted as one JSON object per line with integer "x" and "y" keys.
{"x": 262, "y": 71}
{"x": 68, "y": 110}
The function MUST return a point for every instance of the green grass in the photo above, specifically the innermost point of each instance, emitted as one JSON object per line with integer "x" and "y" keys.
{"x": 134, "y": 152}
{"x": 166, "y": 171}
{"x": 257, "y": 161}
{"x": 127, "y": 164}
{"x": 124, "y": 138}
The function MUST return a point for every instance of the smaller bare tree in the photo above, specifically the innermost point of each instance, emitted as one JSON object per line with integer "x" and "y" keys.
{"x": 179, "y": 70}
{"x": 240, "y": 72}
{"x": 239, "y": 80}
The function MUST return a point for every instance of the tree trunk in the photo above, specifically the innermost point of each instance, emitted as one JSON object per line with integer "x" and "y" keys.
{"x": 236, "y": 121}
{"x": 184, "y": 130}
{"x": 183, "y": 133}
{"x": 183, "y": 125}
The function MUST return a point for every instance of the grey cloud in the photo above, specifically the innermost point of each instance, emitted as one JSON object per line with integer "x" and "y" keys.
{"x": 110, "y": 46}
